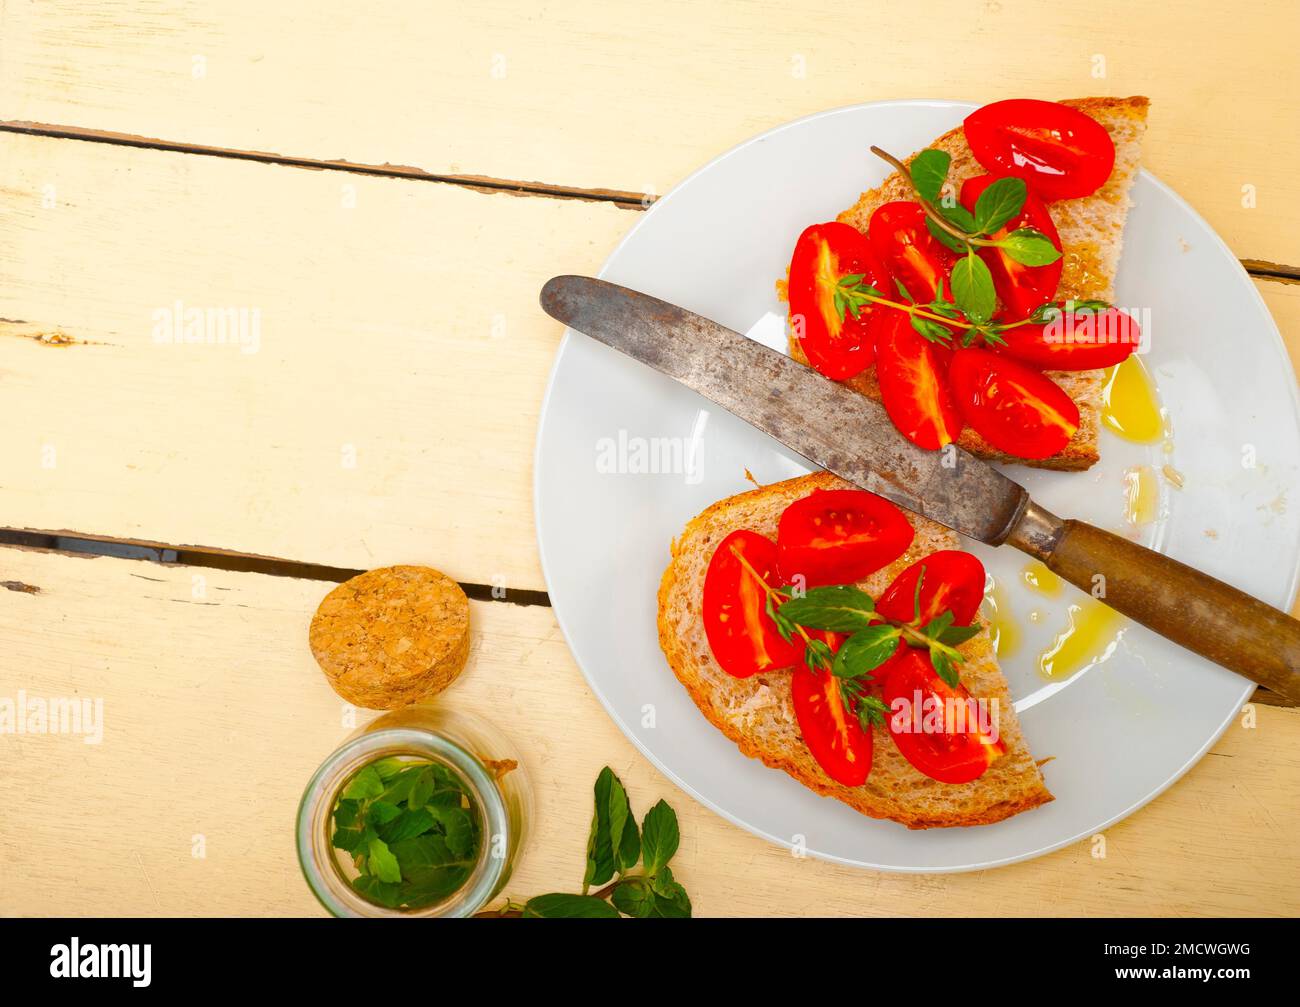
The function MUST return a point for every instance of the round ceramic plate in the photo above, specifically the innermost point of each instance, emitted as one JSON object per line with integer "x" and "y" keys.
{"x": 625, "y": 457}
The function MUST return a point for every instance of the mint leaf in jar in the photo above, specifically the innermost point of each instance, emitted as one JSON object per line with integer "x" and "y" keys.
{"x": 412, "y": 832}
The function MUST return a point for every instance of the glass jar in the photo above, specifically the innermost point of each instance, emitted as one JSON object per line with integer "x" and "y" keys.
{"x": 481, "y": 758}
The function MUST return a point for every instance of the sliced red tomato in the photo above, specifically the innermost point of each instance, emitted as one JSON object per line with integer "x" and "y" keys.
{"x": 1060, "y": 152}
{"x": 742, "y": 636}
{"x": 838, "y": 345}
{"x": 832, "y": 733}
{"x": 1082, "y": 341}
{"x": 912, "y": 372}
{"x": 898, "y": 235}
{"x": 1014, "y": 408}
{"x": 839, "y": 537}
{"x": 936, "y": 726}
{"x": 951, "y": 581}
{"x": 1020, "y": 288}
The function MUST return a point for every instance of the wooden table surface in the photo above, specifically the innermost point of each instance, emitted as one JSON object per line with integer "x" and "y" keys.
{"x": 390, "y": 184}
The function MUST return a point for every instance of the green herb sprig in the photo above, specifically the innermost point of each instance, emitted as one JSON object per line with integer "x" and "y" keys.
{"x": 874, "y": 639}
{"x": 614, "y": 848}
{"x": 968, "y": 316}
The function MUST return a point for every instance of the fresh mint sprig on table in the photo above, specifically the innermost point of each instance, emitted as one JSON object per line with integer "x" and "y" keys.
{"x": 968, "y": 317}
{"x": 614, "y": 847}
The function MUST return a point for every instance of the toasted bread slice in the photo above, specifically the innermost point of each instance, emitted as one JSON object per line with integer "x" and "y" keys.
{"x": 757, "y": 713}
{"x": 1091, "y": 230}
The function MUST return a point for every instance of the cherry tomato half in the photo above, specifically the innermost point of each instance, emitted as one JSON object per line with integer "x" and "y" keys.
{"x": 839, "y": 537}
{"x": 959, "y": 750}
{"x": 914, "y": 386}
{"x": 1060, "y": 152}
{"x": 951, "y": 580}
{"x": 832, "y": 733}
{"x": 1020, "y": 288}
{"x": 1014, "y": 408}
{"x": 743, "y": 638}
{"x": 898, "y": 235}
{"x": 1082, "y": 341}
{"x": 838, "y": 346}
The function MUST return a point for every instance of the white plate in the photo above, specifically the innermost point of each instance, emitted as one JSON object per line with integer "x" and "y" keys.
{"x": 1121, "y": 731}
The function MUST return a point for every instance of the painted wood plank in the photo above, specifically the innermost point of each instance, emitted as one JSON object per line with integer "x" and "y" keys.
{"x": 215, "y": 715}
{"x": 615, "y": 95}
{"x": 381, "y": 406}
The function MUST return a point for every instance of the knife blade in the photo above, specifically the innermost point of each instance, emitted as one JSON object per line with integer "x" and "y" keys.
{"x": 829, "y": 424}
{"x": 850, "y": 435}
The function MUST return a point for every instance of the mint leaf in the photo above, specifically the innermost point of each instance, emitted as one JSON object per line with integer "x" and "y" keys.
{"x": 634, "y": 897}
{"x": 607, "y": 824}
{"x": 929, "y": 171}
{"x": 347, "y": 839}
{"x": 422, "y": 788}
{"x": 399, "y": 787}
{"x": 629, "y": 850}
{"x": 434, "y": 887}
{"x": 385, "y": 893}
{"x": 388, "y": 768}
{"x": 1029, "y": 247}
{"x": 944, "y": 237}
{"x": 659, "y": 837}
{"x": 1001, "y": 201}
{"x": 456, "y": 826}
{"x": 943, "y": 667}
{"x": 841, "y": 608}
{"x": 954, "y": 635}
{"x": 562, "y": 906}
{"x": 972, "y": 288}
{"x": 938, "y": 624}
{"x": 865, "y": 651}
{"x": 407, "y": 825}
{"x": 382, "y": 862}
{"x": 959, "y": 217}
{"x": 367, "y": 783}
{"x": 418, "y": 858}
{"x": 381, "y": 813}
{"x": 671, "y": 900}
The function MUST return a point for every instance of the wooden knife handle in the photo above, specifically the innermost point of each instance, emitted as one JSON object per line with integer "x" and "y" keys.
{"x": 1189, "y": 607}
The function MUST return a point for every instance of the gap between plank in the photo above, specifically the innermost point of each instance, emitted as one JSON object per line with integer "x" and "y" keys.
{"x": 216, "y": 559}
{"x": 1261, "y": 268}
{"x": 481, "y": 183}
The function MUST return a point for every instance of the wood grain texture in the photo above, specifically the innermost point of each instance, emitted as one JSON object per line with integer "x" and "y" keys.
{"x": 215, "y": 715}
{"x": 627, "y": 96}
{"x": 390, "y": 421}
{"x": 384, "y": 421}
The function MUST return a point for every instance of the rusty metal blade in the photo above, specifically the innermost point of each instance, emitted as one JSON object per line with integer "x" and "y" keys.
{"x": 832, "y": 426}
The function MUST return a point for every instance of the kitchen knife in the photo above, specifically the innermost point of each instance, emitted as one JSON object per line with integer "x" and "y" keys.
{"x": 849, "y": 434}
